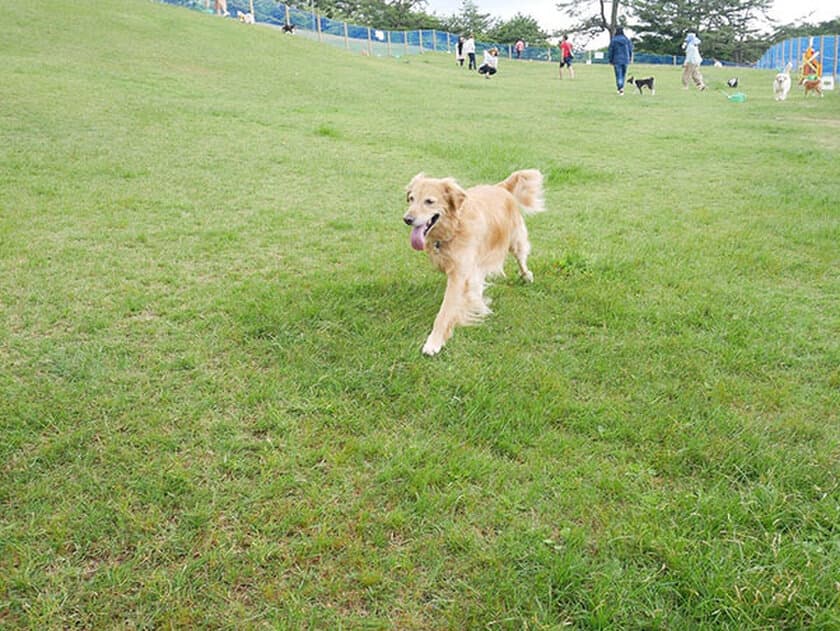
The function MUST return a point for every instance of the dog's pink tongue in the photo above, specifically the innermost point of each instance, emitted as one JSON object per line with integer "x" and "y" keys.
{"x": 418, "y": 241}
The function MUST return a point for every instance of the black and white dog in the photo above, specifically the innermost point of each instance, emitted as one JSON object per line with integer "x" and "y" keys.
{"x": 647, "y": 82}
{"x": 289, "y": 28}
{"x": 733, "y": 82}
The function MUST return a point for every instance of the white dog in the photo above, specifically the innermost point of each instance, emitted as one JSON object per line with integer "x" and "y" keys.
{"x": 781, "y": 84}
{"x": 245, "y": 18}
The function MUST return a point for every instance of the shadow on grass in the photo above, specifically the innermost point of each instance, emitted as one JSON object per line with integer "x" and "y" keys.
{"x": 349, "y": 354}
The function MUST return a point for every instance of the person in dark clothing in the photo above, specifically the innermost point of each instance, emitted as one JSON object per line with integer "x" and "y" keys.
{"x": 620, "y": 55}
{"x": 459, "y": 51}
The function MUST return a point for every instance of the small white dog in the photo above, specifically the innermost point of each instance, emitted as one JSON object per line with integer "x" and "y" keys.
{"x": 246, "y": 18}
{"x": 781, "y": 84}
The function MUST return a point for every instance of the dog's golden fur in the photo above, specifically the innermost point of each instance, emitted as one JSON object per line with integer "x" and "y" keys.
{"x": 467, "y": 235}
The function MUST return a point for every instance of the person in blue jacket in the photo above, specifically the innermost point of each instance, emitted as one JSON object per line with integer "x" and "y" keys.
{"x": 620, "y": 54}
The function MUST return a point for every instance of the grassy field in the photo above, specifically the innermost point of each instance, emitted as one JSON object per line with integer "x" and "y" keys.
{"x": 213, "y": 407}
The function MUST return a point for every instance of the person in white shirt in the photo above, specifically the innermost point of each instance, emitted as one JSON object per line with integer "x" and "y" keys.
{"x": 691, "y": 45}
{"x": 490, "y": 64}
{"x": 469, "y": 50}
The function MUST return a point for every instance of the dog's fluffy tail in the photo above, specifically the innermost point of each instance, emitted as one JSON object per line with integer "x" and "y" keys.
{"x": 527, "y": 188}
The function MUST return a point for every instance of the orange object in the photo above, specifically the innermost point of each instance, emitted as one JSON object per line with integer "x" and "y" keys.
{"x": 811, "y": 65}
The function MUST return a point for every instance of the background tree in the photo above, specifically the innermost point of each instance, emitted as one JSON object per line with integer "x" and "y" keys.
{"x": 730, "y": 29}
{"x": 469, "y": 19}
{"x": 660, "y": 26}
{"x": 395, "y": 14}
{"x": 518, "y": 27}
{"x": 592, "y": 16}
{"x": 385, "y": 14}
{"x": 805, "y": 29}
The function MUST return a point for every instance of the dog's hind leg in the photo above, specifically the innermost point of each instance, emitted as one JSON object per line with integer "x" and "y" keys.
{"x": 520, "y": 247}
{"x": 478, "y": 305}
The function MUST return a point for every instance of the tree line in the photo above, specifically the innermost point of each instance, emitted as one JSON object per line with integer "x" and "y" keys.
{"x": 732, "y": 30}
{"x": 399, "y": 15}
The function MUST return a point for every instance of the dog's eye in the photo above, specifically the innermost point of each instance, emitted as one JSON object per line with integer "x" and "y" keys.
{"x": 409, "y": 198}
{"x": 428, "y": 201}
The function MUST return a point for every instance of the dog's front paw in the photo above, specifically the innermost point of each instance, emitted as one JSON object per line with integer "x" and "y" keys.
{"x": 528, "y": 276}
{"x": 432, "y": 347}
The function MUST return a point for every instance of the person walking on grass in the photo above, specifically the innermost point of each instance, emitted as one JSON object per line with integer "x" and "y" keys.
{"x": 518, "y": 47}
{"x": 459, "y": 51}
{"x": 691, "y": 70}
{"x": 469, "y": 50}
{"x": 567, "y": 56}
{"x": 620, "y": 54}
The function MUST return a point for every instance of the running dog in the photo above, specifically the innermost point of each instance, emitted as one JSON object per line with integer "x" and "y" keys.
{"x": 781, "y": 84}
{"x": 813, "y": 85}
{"x": 289, "y": 28}
{"x": 647, "y": 82}
{"x": 467, "y": 235}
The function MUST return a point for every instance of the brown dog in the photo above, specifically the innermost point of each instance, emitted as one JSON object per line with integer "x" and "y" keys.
{"x": 813, "y": 85}
{"x": 467, "y": 235}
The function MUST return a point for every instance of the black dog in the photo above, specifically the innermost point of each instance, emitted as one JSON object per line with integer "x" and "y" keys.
{"x": 733, "y": 82}
{"x": 647, "y": 82}
{"x": 289, "y": 28}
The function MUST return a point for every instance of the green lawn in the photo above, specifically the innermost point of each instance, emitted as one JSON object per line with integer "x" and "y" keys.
{"x": 213, "y": 407}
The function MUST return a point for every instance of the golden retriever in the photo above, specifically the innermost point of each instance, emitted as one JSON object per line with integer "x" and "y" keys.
{"x": 467, "y": 235}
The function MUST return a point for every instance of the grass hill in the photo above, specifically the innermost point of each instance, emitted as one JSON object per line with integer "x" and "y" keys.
{"x": 213, "y": 407}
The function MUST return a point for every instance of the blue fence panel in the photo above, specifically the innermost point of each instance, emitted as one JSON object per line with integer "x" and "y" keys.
{"x": 446, "y": 41}
{"x": 300, "y": 19}
{"x": 792, "y": 50}
{"x": 829, "y": 54}
{"x": 397, "y": 43}
{"x": 357, "y": 32}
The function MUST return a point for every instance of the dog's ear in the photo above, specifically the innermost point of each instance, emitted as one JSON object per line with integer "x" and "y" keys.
{"x": 453, "y": 194}
{"x": 411, "y": 184}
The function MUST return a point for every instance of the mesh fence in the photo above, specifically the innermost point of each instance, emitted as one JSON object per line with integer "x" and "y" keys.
{"x": 357, "y": 38}
{"x": 793, "y": 50}
{"x": 385, "y": 43}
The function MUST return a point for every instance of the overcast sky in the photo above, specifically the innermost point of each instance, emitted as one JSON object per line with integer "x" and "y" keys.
{"x": 544, "y": 11}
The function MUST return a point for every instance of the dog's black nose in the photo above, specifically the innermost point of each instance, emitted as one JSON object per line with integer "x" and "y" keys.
{"x": 408, "y": 220}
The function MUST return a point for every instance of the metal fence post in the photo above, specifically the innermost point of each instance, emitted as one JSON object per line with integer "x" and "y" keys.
{"x": 388, "y": 36}
{"x": 822, "y": 54}
{"x": 346, "y": 38}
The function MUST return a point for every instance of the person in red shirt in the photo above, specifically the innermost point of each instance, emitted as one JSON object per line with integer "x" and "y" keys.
{"x": 567, "y": 56}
